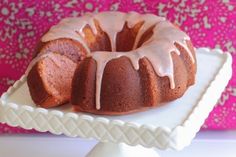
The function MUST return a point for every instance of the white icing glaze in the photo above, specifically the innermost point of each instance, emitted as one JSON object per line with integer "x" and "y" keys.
{"x": 157, "y": 49}
{"x": 70, "y": 28}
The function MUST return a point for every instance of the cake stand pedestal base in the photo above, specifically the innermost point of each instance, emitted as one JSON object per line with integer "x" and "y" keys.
{"x": 121, "y": 150}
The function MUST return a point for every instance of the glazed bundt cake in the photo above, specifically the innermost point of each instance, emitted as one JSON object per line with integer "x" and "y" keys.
{"x": 112, "y": 63}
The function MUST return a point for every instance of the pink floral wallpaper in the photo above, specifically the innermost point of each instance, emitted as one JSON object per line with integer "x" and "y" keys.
{"x": 210, "y": 23}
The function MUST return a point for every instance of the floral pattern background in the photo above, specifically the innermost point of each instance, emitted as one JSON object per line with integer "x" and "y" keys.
{"x": 210, "y": 23}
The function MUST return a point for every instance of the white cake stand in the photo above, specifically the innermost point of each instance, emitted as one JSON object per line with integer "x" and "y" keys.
{"x": 173, "y": 125}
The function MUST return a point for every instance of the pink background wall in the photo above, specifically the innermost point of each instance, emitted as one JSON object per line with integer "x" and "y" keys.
{"x": 210, "y": 23}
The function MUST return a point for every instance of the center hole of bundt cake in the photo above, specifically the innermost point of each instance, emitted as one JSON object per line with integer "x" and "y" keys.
{"x": 125, "y": 39}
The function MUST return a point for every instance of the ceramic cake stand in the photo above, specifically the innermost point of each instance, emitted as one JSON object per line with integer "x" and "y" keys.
{"x": 173, "y": 125}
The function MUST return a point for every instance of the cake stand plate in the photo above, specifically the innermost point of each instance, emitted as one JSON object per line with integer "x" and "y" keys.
{"x": 173, "y": 125}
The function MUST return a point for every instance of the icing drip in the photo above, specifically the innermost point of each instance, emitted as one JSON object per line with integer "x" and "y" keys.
{"x": 166, "y": 30}
{"x": 156, "y": 49}
{"x": 108, "y": 23}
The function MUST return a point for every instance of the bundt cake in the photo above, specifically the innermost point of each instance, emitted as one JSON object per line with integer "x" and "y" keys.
{"x": 112, "y": 63}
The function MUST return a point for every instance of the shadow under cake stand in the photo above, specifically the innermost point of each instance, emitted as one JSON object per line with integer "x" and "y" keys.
{"x": 173, "y": 125}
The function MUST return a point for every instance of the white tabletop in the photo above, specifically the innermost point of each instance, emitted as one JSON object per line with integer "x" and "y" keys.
{"x": 217, "y": 144}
